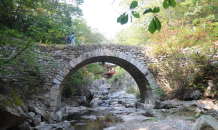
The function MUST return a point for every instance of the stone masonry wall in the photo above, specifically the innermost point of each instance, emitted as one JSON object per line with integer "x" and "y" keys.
{"x": 68, "y": 59}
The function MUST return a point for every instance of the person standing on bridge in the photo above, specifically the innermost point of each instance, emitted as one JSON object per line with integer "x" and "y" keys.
{"x": 72, "y": 39}
{"x": 68, "y": 39}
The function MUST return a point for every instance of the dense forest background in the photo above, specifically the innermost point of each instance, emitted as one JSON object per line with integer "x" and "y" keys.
{"x": 186, "y": 45}
{"x": 24, "y": 23}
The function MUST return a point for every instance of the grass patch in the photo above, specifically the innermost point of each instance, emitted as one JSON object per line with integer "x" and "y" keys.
{"x": 152, "y": 120}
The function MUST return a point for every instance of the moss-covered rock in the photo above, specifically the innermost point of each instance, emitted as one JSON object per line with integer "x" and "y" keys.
{"x": 11, "y": 112}
{"x": 43, "y": 113}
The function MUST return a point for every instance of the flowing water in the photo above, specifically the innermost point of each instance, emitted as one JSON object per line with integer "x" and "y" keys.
{"x": 92, "y": 120}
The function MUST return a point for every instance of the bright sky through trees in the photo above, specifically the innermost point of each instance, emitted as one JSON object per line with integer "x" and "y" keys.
{"x": 102, "y": 15}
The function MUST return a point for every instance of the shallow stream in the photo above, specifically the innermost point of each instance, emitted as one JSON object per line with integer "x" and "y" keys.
{"x": 92, "y": 120}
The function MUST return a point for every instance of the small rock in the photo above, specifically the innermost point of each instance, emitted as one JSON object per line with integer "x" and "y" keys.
{"x": 31, "y": 114}
{"x": 148, "y": 114}
{"x": 59, "y": 115}
{"x": 25, "y": 126}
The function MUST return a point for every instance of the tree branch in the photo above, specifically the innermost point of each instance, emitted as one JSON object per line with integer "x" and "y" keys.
{"x": 17, "y": 54}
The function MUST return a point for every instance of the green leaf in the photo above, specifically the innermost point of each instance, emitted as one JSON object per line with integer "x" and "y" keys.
{"x": 166, "y": 4}
{"x": 172, "y": 3}
{"x": 135, "y": 14}
{"x": 119, "y": 18}
{"x": 124, "y": 19}
{"x": 133, "y": 4}
{"x": 156, "y": 10}
{"x": 152, "y": 27}
{"x": 157, "y": 22}
{"x": 147, "y": 11}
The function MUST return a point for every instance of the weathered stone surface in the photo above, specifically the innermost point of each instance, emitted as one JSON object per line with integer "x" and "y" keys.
{"x": 72, "y": 64}
{"x": 79, "y": 60}
{"x": 53, "y": 97}
{"x": 11, "y": 115}
{"x": 59, "y": 126}
{"x": 148, "y": 114}
{"x": 59, "y": 77}
{"x": 196, "y": 94}
{"x": 205, "y": 122}
{"x": 62, "y": 74}
{"x": 56, "y": 81}
{"x": 161, "y": 105}
{"x": 143, "y": 106}
{"x": 42, "y": 112}
{"x": 66, "y": 58}
{"x": 54, "y": 92}
{"x": 55, "y": 86}
{"x": 53, "y": 103}
{"x": 31, "y": 114}
{"x": 59, "y": 116}
{"x": 25, "y": 126}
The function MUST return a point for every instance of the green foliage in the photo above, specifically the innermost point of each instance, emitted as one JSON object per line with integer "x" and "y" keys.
{"x": 132, "y": 89}
{"x": 152, "y": 27}
{"x": 138, "y": 94}
{"x": 86, "y": 35}
{"x": 24, "y": 23}
{"x": 123, "y": 19}
{"x": 147, "y": 11}
{"x": 156, "y": 10}
{"x": 118, "y": 76}
{"x": 186, "y": 44}
{"x": 20, "y": 60}
{"x": 86, "y": 74}
{"x": 134, "y": 4}
{"x": 135, "y": 14}
{"x": 46, "y": 21}
{"x": 168, "y": 3}
{"x": 160, "y": 92}
{"x": 73, "y": 90}
{"x": 155, "y": 23}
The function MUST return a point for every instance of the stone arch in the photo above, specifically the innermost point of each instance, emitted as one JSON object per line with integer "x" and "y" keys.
{"x": 136, "y": 69}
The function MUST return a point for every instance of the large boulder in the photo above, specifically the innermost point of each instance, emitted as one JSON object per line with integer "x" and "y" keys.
{"x": 196, "y": 95}
{"x": 11, "y": 114}
{"x": 163, "y": 105}
{"x": 205, "y": 122}
{"x": 190, "y": 94}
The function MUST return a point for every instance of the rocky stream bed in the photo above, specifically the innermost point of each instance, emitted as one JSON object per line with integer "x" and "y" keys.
{"x": 111, "y": 109}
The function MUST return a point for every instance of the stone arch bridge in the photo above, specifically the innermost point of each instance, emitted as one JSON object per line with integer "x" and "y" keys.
{"x": 70, "y": 58}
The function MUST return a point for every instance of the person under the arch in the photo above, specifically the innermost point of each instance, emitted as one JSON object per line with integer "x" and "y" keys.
{"x": 72, "y": 39}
